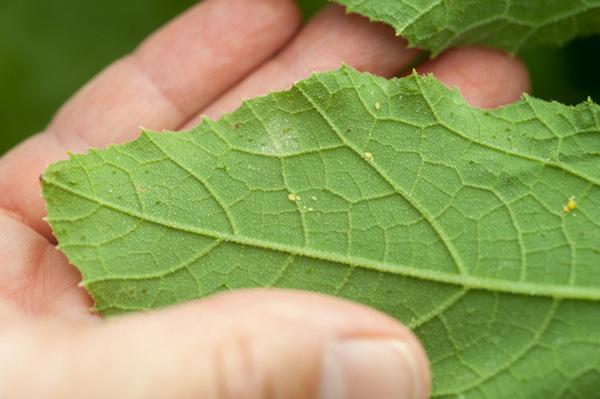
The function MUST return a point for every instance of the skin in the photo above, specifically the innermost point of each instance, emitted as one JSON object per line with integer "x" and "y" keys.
{"x": 234, "y": 345}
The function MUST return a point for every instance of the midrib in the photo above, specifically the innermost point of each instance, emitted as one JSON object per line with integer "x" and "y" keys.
{"x": 466, "y": 281}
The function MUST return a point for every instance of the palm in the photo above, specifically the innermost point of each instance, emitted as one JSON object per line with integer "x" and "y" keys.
{"x": 197, "y": 65}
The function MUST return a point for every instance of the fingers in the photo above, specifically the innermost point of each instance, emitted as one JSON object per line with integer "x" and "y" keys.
{"x": 172, "y": 76}
{"x": 332, "y": 37}
{"x": 486, "y": 78}
{"x": 177, "y": 71}
{"x": 35, "y": 277}
{"x": 261, "y": 344}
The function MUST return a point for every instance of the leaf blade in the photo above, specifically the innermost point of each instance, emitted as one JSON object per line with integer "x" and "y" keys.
{"x": 391, "y": 193}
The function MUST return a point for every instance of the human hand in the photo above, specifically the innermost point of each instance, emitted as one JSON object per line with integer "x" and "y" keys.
{"x": 249, "y": 344}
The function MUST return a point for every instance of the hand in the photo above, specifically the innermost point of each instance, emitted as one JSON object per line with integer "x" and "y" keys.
{"x": 248, "y": 344}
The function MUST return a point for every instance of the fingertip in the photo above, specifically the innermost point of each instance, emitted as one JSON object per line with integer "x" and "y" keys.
{"x": 288, "y": 13}
{"x": 268, "y": 343}
{"x": 355, "y": 349}
{"x": 221, "y": 40}
{"x": 487, "y": 78}
{"x": 283, "y": 17}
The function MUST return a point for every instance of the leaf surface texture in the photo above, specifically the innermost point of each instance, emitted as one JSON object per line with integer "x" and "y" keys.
{"x": 478, "y": 229}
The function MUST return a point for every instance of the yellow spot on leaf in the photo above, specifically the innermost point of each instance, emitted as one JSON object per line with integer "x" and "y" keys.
{"x": 368, "y": 156}
{"x": 571, "y": 205}
{"x": 377, "y": 105}
{"x": 293, "y": 198}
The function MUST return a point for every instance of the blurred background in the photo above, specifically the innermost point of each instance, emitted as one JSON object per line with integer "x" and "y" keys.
{"x": 49, "y": 48}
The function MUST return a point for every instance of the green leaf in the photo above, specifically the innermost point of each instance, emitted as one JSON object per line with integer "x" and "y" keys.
{"x": 512, "y": 25}
{"x": 478, "y": 229}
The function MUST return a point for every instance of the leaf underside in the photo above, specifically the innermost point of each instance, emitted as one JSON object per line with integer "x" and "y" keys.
{"x": 478, "y": 229}
{"x": 506, "y": 24}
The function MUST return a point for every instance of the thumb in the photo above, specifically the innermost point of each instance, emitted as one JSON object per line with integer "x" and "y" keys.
{"x": 249, "y": 344}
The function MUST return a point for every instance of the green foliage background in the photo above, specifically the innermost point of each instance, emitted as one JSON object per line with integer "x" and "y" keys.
{"x": 49, "y": 48}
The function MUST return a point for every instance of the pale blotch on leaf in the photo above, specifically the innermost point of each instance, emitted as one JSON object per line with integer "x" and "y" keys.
{"x": 368, "y": 157}
{"x": 293, "y": 197}
{"x": 377, "y": 105}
